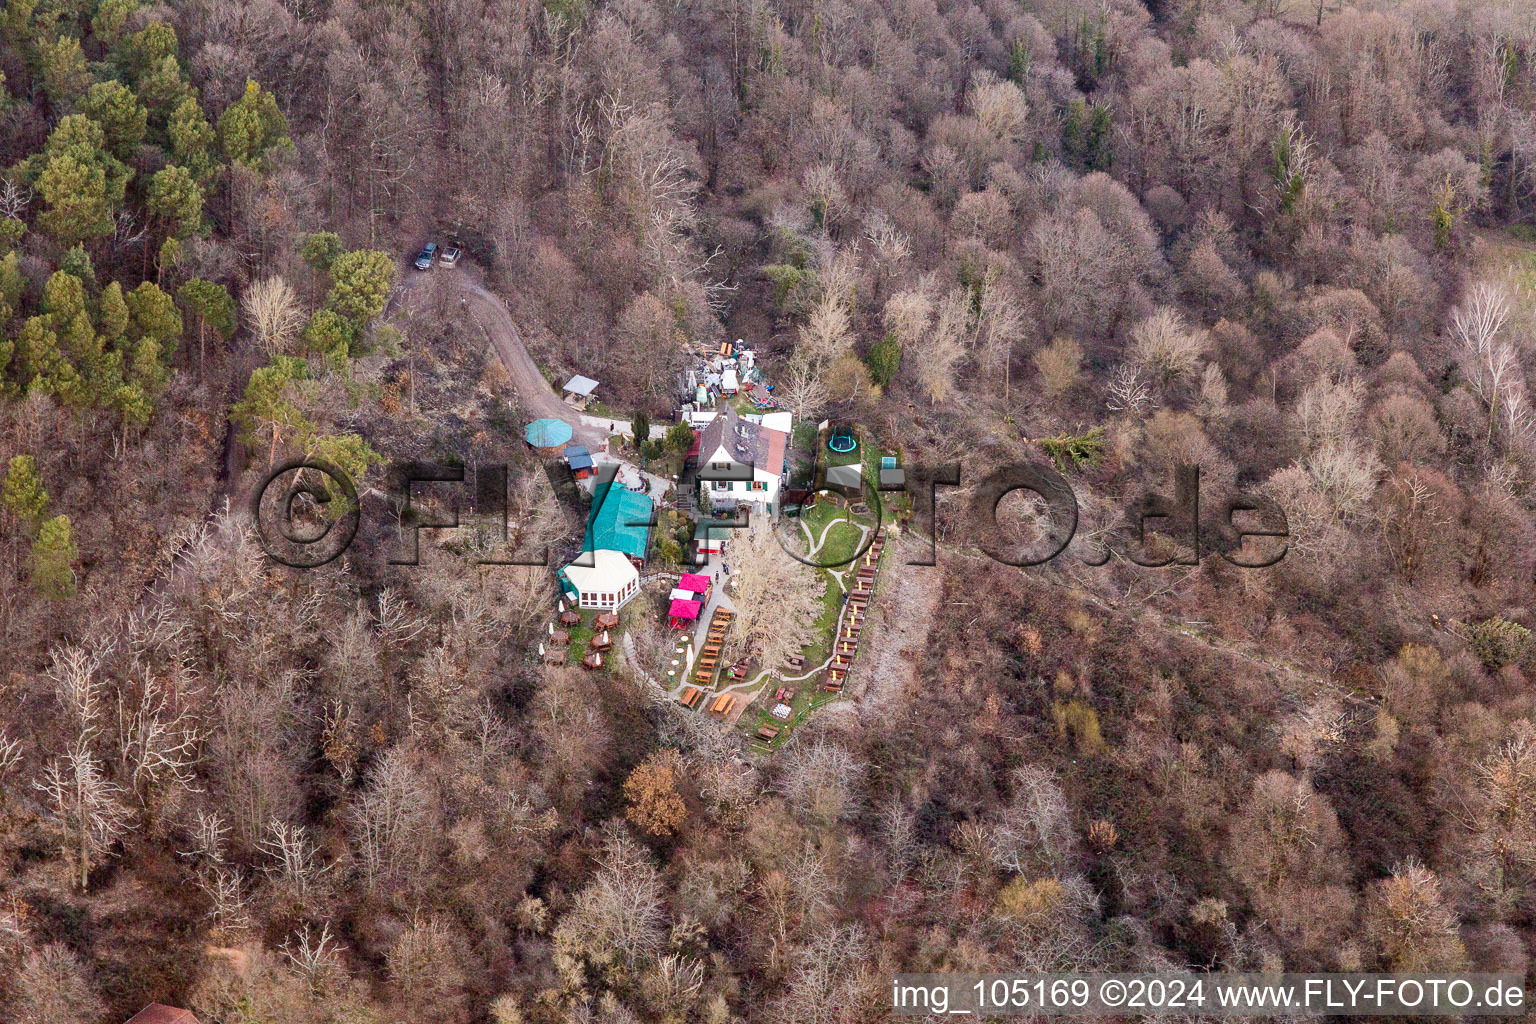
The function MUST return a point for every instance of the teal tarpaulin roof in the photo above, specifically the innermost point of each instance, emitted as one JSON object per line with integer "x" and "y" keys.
{"x": 547, "y": 433}
{"x": 620, "y": 521}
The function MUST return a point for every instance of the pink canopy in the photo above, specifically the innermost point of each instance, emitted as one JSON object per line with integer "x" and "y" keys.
{"x": 684, "y": 610}
{"x": 698, "y": 583}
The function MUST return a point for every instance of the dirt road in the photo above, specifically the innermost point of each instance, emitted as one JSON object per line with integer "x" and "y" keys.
{"x": 535, "y": 398}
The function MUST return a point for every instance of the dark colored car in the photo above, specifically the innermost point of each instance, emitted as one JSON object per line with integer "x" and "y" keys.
{"x": 427, "y": 256}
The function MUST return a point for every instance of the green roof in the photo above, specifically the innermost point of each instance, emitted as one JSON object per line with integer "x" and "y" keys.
{"x": 620, "y": 521}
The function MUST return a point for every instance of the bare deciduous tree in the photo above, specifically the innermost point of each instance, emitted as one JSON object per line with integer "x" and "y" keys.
{"x": 389, "y": 819}
{"x": 1490, "y": 364}
{"x": 1167, "y": 347}
{"x": 826, "y": 333}
{"x": 777, "y": 598}
{"x": 314, "y": 958}
{"x": 158, "y": 741}
{"x": 14, "y": 199}
{"x": 86, "y": 813}
{"x": 1034, "y": 832}
{"x": 823, "y": 779}
{"x": 804, "y": 387}
{"x": 1000, "y": 106}
{"x": 295, "y": 861}
{"x": 619, "y": 916}
{"x": 273, "y": 313}
{"x": 1128, "y": 391}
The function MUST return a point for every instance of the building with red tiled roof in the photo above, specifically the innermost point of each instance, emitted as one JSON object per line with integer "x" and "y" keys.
{"x": 740, "y": 463}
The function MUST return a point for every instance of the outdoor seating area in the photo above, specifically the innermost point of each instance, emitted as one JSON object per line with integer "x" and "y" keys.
{"x": 766, "y": 733}
{"x": 578, "y": 391}
{"x": 709, "y": 657}
{"x": 691, "y": 697}
{"x": 846, "y": 643}
{"x": 572, "y": 642}
{"x": 722, "y": 705}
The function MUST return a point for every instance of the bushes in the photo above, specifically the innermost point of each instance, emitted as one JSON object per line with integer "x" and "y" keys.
{"x": 884, "y": 359}
{"x": 1078, "y": 722}
{"x": 1498, "y": 642}
{"x": 1079, "y": 449}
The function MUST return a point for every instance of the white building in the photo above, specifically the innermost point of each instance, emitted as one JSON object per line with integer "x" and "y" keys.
{"x": 741, "y": 463}
{"x": 608, "y": 584}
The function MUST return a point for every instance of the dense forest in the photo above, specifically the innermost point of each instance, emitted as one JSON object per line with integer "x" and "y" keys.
{"x": 1292, "y": 242}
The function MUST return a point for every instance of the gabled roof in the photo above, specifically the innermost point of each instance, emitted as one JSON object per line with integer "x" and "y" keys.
{"x": 748, "y": 443}
{"x": 620, "y": 521}
{"x": 848, "y": 477}
{"x": 579, "y": 385}
{"x": 157, "y": 1013}
{"x": 609, "y": 572}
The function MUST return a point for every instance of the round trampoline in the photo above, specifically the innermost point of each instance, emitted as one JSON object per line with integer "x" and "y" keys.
{"x": 842, "y": 440}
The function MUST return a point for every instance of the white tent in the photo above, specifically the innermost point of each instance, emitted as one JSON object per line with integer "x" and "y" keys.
{"x": 728, "y": 383}
{"x": 609, "y": 583}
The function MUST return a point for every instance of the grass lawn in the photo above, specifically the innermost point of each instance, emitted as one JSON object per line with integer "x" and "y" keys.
{"x": 581, "y": 634}
{"x": 842, "y": 544}
{"x": 843, "y": 537}
{"x": 845, "y": 458}
{"x": 816, "y": 516}
{"x": 815, "y": 652}
{"x": 808, "y": 697}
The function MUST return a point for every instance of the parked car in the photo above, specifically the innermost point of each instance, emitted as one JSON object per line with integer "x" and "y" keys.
{"x": 450, "y": 256}
{"x": 427, "y": 256}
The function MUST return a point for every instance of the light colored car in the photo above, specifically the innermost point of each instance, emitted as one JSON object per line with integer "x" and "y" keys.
{"x": 449, "y": 256}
